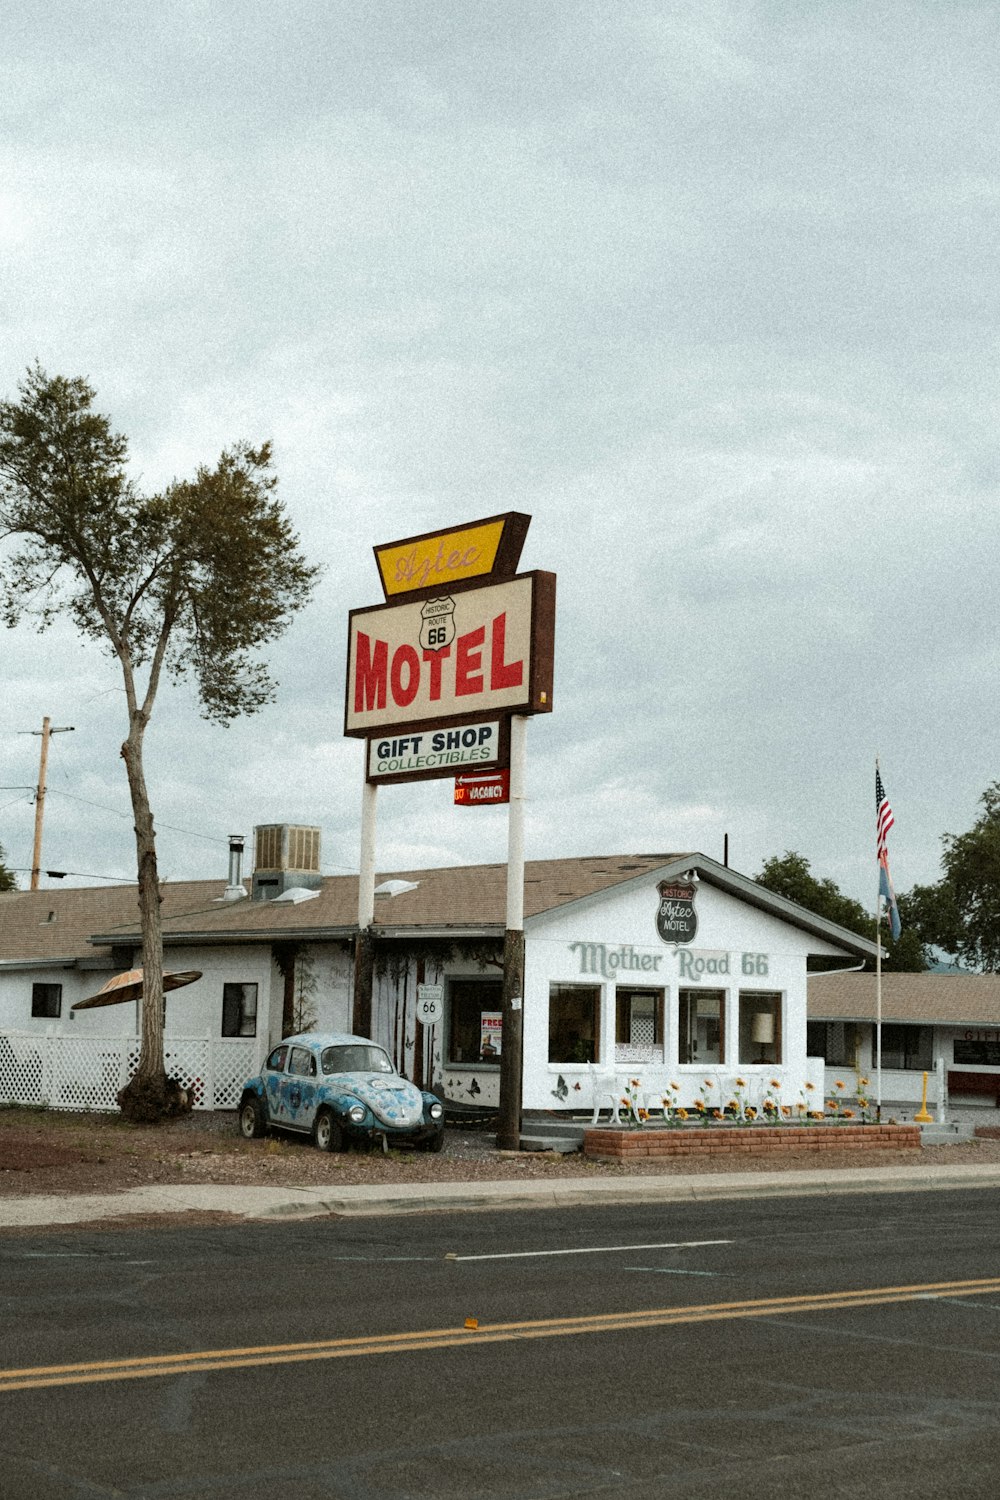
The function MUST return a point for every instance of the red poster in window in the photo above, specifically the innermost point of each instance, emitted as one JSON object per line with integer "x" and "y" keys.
{"x": 483, "y": 790}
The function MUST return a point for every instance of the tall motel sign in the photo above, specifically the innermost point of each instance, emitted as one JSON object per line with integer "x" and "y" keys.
{"x": 441, "y": 681}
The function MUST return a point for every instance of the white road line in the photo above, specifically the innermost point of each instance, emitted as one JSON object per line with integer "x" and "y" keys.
{"x": 593, "y": 1250}
{"x": 668, "y": 1271}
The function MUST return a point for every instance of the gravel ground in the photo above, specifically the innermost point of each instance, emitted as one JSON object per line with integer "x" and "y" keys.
{"x": 54, "y": 1152}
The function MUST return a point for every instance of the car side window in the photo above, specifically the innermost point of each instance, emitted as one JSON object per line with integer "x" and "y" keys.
{"x": 276, "y": 1062}
{"x": 302, "y": 1063}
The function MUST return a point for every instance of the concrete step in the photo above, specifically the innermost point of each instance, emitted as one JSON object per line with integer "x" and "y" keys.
{"x": 564, "y": 1144}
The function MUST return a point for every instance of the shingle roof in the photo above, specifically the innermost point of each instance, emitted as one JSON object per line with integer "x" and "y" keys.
{"x": 460, "y": 899}
{"x": 456, "y": 901}
{"x": 948, "y": 999}
{"x": 51, "y": 925}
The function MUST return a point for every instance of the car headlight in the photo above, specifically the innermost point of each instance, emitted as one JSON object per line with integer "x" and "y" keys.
{"x": 356, "y": 1113}
{"x": 436, "y": 1111}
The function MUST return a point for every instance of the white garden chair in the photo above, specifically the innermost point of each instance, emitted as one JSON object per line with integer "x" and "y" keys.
{"x": 606, "y": 1092}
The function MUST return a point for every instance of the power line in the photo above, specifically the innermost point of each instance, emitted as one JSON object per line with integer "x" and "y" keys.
{"x": 15, "y": 801}
{"x": 207, "y": 838}
{"x": 115, "y": 812}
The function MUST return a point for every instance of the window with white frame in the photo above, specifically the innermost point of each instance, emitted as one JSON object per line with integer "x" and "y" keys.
{"x": 475, "y": 1008}
{"x": 46, "y": 1001}
{"x": 239, "y": 1010}
{"x": 638, "y": 1025}
{"x": 701, "y": 1026}
{"x": 833, "y": 1041}
{"x": 908, "y": 1047}
{"x": 574, "y": 1023}
{"x": 760, "y": 1026}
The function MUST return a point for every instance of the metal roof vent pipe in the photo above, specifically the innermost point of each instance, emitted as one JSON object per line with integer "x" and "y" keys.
{"x": 235, "y": 890}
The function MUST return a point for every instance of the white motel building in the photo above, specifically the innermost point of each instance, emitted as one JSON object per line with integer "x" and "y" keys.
{"x": 658, "y": 973}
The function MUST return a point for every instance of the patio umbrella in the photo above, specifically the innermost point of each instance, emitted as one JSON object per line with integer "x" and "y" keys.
{"x": 128, "y": 986}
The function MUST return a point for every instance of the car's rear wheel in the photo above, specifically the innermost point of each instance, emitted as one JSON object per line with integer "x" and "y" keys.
{"x": 252, "y": 1118}
{"x": 327, "y": 1133}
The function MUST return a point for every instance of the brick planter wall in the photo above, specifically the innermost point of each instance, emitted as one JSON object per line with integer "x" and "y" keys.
{"x": 740, "y": 1141}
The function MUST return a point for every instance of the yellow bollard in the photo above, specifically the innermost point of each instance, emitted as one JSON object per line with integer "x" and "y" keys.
{"x": 923, "y": 1118}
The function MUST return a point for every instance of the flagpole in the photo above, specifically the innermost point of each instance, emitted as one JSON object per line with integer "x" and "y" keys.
{"x": 878, "y": 1006}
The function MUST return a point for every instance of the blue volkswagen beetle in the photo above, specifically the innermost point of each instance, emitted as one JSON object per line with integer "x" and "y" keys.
{"x": 338, "y": 1088}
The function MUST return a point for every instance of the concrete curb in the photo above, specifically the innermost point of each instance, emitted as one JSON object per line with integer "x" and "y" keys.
{"x": 264, "y": 1203}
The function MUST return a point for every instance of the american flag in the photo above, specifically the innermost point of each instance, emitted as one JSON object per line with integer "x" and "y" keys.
{"x": 883, "y": 816}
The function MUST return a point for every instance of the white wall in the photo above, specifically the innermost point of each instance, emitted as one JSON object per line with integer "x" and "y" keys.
{"x": 195, "y": 1010}
{"x": 15, "y": 999}
{"x": 905, "y": 1085}
{"x": 730, "y": 934}
{"x": 329, "y": 976}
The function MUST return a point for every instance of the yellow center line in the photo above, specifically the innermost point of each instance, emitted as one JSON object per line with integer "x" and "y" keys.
{"x": 91, "y": 1372}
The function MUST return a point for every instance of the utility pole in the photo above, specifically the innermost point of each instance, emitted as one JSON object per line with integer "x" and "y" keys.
{"x": 46, "y": 732}
{"x": 512, "y": 1046}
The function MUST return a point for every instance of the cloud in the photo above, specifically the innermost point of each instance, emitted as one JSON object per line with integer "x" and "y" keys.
{"x": 710, "y": 293}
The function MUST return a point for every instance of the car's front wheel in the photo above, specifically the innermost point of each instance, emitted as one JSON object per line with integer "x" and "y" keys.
{"x": 252, "y": 1118}
{"x": 433, "y": 1142}
{"x": 327, "y": 1133}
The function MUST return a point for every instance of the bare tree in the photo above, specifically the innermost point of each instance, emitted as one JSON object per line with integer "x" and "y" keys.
{"x": 191, "y": 582}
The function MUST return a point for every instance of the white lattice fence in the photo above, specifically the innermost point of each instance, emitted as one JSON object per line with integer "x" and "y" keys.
{"x": 84, "y": 1072}
{"x": 232, "y": 1064}
{"x": 21, "y": 1070}
{"x": 73, "y": 1072}
{"x": 186, "y": 1060}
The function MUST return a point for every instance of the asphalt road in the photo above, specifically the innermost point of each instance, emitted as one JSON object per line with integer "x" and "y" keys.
{"x": 785, "y": 1347}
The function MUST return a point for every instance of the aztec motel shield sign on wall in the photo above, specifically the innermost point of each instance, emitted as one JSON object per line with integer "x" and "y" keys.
{"x": 476, "y": 651}
{"x": 676, "y": 918}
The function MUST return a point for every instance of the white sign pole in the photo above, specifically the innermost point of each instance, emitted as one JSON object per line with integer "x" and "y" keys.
{"x": 366, "y": 879}
{"x": 364, "y": 954}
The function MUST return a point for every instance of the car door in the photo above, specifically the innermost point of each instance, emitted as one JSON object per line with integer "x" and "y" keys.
{"x": 297, "y": 1090}
{"x": 273, "y": 1072}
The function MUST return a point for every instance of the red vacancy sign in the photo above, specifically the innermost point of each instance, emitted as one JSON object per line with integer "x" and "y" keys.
{"x": 484, "y": 790}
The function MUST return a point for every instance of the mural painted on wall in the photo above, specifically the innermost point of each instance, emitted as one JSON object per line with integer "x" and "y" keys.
{"x": 479, "y": 1089}
{"x": 420, "y": 1049}
{"x": 562, "y": 1090}
{"x": 394, "y": 1014}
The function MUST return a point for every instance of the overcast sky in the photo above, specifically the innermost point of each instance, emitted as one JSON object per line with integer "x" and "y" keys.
{"x": 709, "y": 290}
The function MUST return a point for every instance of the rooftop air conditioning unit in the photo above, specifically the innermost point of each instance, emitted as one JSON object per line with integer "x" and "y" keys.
{"x": 286, "y": 856}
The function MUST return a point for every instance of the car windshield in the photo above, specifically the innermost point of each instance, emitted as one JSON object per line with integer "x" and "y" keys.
{"x": 355, "y": 1058}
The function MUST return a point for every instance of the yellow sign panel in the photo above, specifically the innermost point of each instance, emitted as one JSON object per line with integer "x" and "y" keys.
{"x": 443, "y": 558}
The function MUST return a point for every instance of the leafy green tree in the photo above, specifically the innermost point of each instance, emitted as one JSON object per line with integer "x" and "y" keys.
{"x": 8, "y": 880}
{"x": 190, "y": 582}
{"x": 931, "y": 911}
{"x": 961, "y": 914}
{"x": 789, "y": 875}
